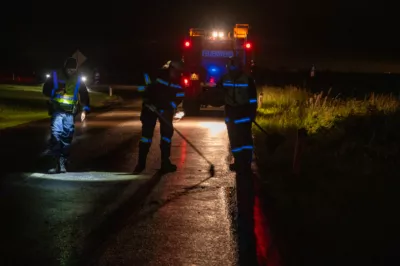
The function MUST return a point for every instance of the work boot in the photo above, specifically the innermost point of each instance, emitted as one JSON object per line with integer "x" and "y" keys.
{"x": 62, "y": 165}
{"x": 56, "y": 169}
{"x": 143, "y": 151}
{"x": 167, "y": 166}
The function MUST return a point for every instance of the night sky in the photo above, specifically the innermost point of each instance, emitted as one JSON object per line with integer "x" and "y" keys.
{"x": 129, "y": 35}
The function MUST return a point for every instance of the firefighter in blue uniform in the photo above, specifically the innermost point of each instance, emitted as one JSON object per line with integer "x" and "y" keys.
{"x": 240, "y": 99}
{"x": 162, "y": 95}
{"x": 66, "y": 92}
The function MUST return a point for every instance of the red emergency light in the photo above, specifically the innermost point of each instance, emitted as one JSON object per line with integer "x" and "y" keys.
{"x": 186, "y": 82}
{"x": 247, "y": 45}
{"x": 187, "y": 44}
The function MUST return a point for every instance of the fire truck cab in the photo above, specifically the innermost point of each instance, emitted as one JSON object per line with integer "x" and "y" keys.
{"x": 206, "y": 54}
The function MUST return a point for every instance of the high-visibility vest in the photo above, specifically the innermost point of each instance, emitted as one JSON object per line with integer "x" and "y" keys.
{"x": 236, "y": 91}
{"x": 67, "y": 99}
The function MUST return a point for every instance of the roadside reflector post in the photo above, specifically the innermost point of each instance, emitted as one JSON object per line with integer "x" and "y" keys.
{"x": 110, "y": 90}
{"x": 260, "y": 99}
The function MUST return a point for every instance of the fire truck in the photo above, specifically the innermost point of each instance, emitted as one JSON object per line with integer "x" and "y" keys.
{"x": 206, "y": 53}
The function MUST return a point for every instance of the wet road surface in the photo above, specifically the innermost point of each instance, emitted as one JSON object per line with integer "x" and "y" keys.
{"x": 96, "y": 215}
{"x": 186, "y": 220}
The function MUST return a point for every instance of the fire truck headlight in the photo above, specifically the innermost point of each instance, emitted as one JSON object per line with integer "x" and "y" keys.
{"x": 47, "y": 76}
{"x": 84, "y": 78}
{"x": 220, "y": 34}
{"x": 215, "y": 34}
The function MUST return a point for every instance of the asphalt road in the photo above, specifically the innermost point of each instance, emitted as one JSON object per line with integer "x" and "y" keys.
{"x": 100, "y": 214}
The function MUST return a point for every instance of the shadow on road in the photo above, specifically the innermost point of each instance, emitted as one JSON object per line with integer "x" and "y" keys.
{"x": 96, "y": 241}
{"x": 118, "y": 158}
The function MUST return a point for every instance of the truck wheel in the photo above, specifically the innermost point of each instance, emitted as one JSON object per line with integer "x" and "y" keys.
{"x": 191, "y": 107}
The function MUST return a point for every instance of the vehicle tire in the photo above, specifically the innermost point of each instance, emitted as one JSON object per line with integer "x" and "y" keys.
{"x": 191, "y": 107}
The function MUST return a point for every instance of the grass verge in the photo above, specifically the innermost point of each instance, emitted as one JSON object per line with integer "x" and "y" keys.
{"x": 23, "y": 104}
{"x": 338, "y": 208}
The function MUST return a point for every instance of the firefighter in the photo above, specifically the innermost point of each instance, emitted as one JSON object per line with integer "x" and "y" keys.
{"x": 163, "y": 95}
{"x": 240, "y": 99}
{"x": 66, "y": 92}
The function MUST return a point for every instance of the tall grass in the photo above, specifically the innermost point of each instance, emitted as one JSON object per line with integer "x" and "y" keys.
{"x": 291, "y": 107}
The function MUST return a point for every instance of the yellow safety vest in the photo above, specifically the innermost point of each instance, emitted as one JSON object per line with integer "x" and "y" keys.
{"x": 67, "y": 99}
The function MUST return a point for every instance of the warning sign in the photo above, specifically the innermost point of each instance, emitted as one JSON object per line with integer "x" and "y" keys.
{"x": 194, "y": 76}
{"x": 80, "y": 58}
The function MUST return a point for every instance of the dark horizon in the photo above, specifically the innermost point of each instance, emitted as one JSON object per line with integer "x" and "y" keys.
{"x": 334, "y": 35}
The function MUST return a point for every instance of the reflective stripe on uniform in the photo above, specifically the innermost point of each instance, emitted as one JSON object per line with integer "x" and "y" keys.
{"x": 145, "y": 140}
{"x": 66, "y": 101}
{"x": 238, "y": 121}
{"x": 236, "y": 90}
{"x": 55, "y": 83}
{"x": 229, "y": 84}
{"x": 141, "y": 88}
{"x": 162, "y": 82}
{"x": 77, "y": 86}
{"x": 253, "y": 100}
{"x": 239, "y": 149}
{"x": 65, "y": 97}
{"x": 166, "y": 139}
{"x": 180, "y": 94}
{"x": 147, "y": 79}
{"x": 173, "y": 104}
{"x": 166, "y": 84}
{"x": 242, "y": 120}
{"x": 176, "y": 86}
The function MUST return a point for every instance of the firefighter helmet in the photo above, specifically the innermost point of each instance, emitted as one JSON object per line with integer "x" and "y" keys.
{"x": 178, "y": 65}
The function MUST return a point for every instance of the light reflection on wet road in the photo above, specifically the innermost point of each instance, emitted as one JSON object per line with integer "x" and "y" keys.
{"x": 95, "y": 214}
